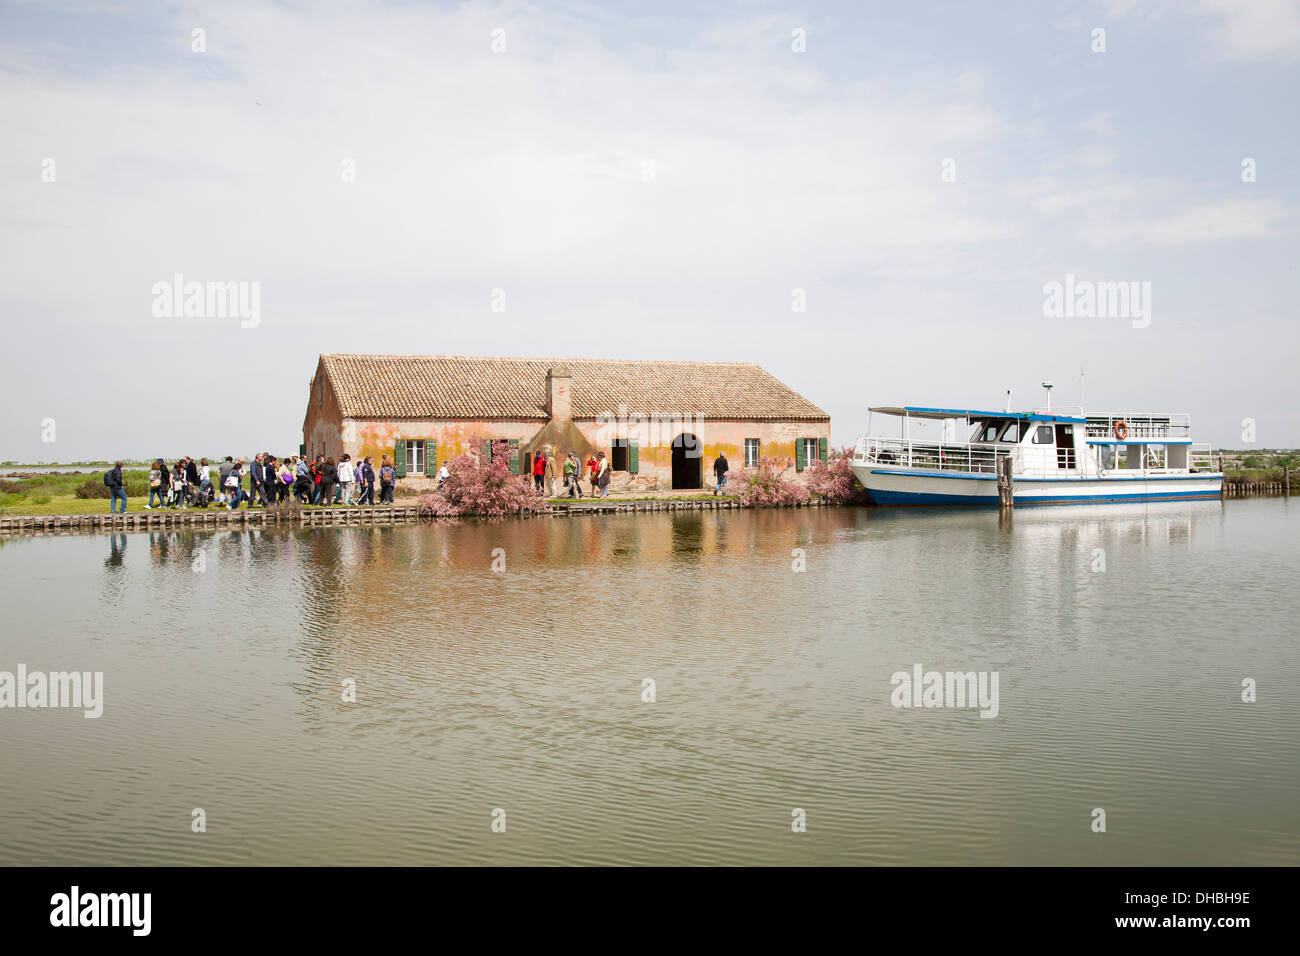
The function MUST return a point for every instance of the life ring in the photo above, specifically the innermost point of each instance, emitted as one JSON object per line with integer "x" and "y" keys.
{"x": 1121, "y": 429}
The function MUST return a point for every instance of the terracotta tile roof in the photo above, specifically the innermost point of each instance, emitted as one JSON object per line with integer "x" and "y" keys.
{"x": 453, "y": 386}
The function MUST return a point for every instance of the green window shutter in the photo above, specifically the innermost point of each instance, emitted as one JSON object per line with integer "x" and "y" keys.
{"x": 514, "y": 456}
{"x": 799, "y": 462}
{"x": 430, "y": 457}
{"x": 822, "y": 449}
{"x": 302, "y": 451}
{"x": 399, "y": 457}
{"x": 633, "y": 457}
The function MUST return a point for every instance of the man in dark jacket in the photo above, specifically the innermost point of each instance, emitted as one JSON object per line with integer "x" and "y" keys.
{"x": 116, "y": 490}
{"x": 720, "y": 470}
{"x": 191, "y": 471}
{"x": 256, "y": 475}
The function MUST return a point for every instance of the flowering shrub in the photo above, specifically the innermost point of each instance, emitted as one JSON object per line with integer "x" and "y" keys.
{"x": 478, "y": 487}
{"x": 766, "y": 486}
{"x": 834, "y": 480}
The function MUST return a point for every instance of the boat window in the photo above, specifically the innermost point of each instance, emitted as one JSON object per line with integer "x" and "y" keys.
{"x": 1014, "y": 432}
{"x": 985, "y": 431}
{"x": 1043, "y": 435}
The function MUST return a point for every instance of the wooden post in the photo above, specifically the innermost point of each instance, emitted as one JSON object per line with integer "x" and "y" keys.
{"x": 1286, "y": 480}
{"x": 1006, "y": 497}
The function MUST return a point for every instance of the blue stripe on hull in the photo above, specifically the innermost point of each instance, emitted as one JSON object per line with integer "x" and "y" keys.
{"x": 924, "y": 498}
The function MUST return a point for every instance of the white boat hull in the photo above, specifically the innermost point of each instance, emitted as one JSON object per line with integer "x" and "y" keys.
{"x": 893, "y": 485}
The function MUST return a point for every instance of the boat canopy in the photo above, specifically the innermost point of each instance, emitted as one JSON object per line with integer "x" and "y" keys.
{"x": 917, "y": 411}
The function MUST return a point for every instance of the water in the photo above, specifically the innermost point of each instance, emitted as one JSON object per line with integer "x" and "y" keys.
{"x": 522, "y": 690}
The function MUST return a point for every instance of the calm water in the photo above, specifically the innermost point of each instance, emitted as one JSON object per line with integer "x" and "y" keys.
{"x": 523, "y": 690}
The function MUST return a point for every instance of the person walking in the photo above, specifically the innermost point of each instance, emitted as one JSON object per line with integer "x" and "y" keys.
{"x": 387, "y": 476}
{"x": 367, "y": 483}
{"x": 255, "y": 478}
{"x": 720, "y": 470}
{"x": 593, "y": 467}
{"x": 178, "y": 485}
{"x": 539, "y": 471}
{"x": 155, "y": 483}
{"x": 602, "y": 475}
{"x": 571, "y": 475}
{"x": 443, "y": 475}
{"x": 232, "y": 484}
{"x": 116, "y": 488}
{"x": 285, "y": 484}
{"x": 329, "y": 477}
{"x": 550, "y": 473}
{"x": 346, "y": 480}
{"x": 223, "y": 472}
{"x": 301, "y": 480}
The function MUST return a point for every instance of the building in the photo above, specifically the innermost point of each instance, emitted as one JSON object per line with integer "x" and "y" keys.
{"x": 661, "y": 423}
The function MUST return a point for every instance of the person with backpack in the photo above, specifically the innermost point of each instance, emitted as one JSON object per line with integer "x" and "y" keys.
{"x": 232, "y": 484}
{"x": 116, "y": 488}
{"x": 387, "y": 476}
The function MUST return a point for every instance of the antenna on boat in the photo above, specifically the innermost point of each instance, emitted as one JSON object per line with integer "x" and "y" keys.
{"x": 1008, "y": 401}
{"x": 1047, "y": 387}
{"x": 1080, "y": 391}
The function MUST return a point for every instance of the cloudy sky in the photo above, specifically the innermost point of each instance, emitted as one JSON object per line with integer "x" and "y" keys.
{"x": 645, "y": 181}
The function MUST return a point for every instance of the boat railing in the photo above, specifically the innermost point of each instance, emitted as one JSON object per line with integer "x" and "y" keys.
{"x": 1200, "y": 457}
{"x": 973, "y": 457}
{"x": 1141, "y": 427}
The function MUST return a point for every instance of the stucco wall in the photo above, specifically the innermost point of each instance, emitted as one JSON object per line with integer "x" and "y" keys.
{"x": 378, "y": 438}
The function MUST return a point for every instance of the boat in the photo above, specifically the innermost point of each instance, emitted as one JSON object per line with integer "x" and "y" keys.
{"x": 1054, "y": 458}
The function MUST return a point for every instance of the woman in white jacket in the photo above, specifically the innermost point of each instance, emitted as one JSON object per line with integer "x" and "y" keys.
{"x": 347, "y": 478}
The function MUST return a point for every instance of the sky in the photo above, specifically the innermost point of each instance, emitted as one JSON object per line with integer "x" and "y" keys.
{"x": 870, "y": 200}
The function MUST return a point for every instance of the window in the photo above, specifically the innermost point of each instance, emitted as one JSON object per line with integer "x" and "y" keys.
{"x": 810, "y": 452}
{"x": 751, "y": 452}
{"x": 1014, "y": 432}
{"x": 1043, "y": 435}
{"x": 618, "y": 455}
{"x": 415, "y": 456}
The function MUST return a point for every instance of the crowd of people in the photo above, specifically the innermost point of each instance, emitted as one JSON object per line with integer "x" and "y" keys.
{"x": 264, "y": 482}
{"x": 268, "y": 480}
{"x": 545, "y": 468}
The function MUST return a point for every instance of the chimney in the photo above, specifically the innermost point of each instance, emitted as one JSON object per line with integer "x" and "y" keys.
{"x": 559, "y": 393}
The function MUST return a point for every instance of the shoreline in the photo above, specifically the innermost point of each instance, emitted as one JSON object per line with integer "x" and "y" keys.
{"x": 213, "y": 519}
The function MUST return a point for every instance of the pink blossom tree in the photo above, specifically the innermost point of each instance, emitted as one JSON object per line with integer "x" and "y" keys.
{"x": 481, "y": 483}
{"x": 834, "y": 481}
{"x": 765, "y": 486}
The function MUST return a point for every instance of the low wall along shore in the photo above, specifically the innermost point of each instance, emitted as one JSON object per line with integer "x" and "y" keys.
{"x": 212, "y": 519}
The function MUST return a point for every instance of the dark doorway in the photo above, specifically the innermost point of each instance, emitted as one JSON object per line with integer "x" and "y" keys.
{"x": 688, "y": 462}
{"x": 618, "y": 455}
{"x": 1065, "y": 446}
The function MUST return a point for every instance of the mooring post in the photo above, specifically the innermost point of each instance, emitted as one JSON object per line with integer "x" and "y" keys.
{"x": 1286, "y": 480}
{"x": 1005, "y": 496}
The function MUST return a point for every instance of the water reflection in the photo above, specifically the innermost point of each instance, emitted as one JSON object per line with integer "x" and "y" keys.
{"x": 227, "y": 655}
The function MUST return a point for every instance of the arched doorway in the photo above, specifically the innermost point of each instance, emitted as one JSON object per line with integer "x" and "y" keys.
{"x": 688, "y": 462}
